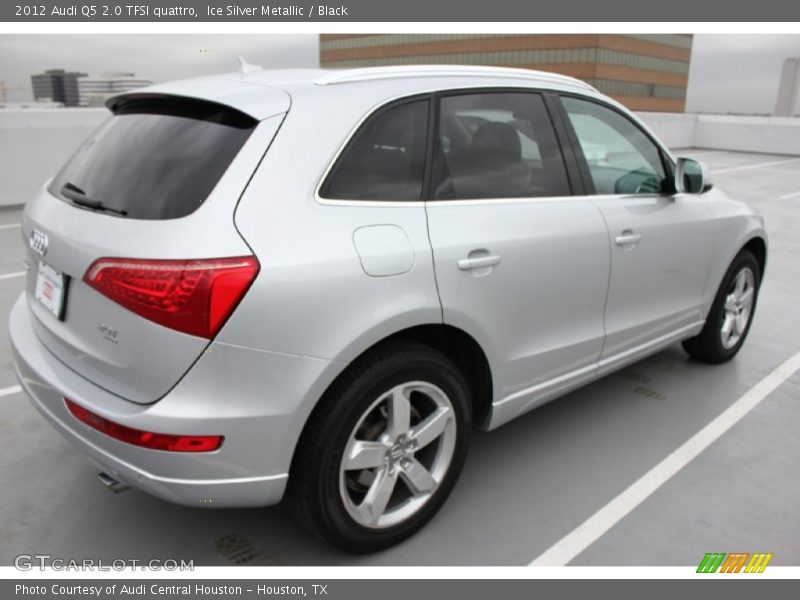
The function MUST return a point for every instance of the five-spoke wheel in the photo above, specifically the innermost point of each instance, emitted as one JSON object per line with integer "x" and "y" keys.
{"x": 738, "y": 307}
{"x": 383, "y": 449}
{"x": 729, "y": 318}
{"x": 397, "y": 454}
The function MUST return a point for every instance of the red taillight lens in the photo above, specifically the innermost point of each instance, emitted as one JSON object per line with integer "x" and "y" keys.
{"x": 192, "y": 296}
{"x": 145, "y": 439}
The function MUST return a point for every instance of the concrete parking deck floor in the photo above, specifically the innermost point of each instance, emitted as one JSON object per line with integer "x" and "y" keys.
{"x": 525, "y": 485}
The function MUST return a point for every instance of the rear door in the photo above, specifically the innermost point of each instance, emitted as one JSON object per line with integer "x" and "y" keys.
{"x": 520, "y": 262}
{"x": 661, "y": 242}
{"x": 158, "y": 181}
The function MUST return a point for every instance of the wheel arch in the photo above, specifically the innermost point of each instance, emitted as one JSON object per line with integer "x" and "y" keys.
{"x": 456, "y": 344}
{"x": 758, "y": 246}
{"x": 465, "y": 352}
{"x": 707, "y": 345}
{"x": 755, "y": 243}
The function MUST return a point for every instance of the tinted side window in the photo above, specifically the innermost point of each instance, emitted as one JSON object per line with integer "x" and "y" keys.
{"x": 156, "y": 159}
{"x": 386, "y": 158}
{"x": 621, "y": 158}
{"x": 497, "y": 145}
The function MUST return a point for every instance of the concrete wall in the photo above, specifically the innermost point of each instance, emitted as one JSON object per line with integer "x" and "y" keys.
{"x": 34, "y": 143}
{"x": 676, "y": 130}
{"x": 770, "y": 135}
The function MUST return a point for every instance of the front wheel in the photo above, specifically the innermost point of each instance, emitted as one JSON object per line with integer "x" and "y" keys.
{"x": 731, "y": 314}
{"x": 383, "y": 450}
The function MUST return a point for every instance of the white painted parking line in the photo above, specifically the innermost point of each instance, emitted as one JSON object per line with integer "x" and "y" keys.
{"x": 787, "y": 196}
{"x": 10, "y": 226}
{"x": 571, "y": 545}
{"x": 9, "y": 391}
{"x": 12, "y": 275}
{"x": 756, "y": 166}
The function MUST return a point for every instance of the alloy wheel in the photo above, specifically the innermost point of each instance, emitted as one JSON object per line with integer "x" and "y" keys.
{"x": 397, "y": 454}
{"x": 738, "y": 308}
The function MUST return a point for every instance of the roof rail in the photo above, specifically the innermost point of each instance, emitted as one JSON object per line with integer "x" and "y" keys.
{"x": 372, "y": 73}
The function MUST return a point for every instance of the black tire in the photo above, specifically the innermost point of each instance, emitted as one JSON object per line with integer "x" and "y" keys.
{"x": 708, "y": 345}
{"x": 314, "y": 484}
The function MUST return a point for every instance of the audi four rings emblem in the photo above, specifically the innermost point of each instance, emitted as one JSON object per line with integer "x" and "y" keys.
{"x": 38, "y": 242}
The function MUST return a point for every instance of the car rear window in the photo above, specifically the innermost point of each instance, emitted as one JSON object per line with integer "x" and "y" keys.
{"x": 155, "y": 158}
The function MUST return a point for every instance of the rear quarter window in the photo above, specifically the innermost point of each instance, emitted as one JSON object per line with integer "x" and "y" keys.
{"x": 156, "y": 158}
{"x": 385, "y": 160}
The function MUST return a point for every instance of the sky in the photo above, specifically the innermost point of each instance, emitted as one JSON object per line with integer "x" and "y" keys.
{"x": 737, "y": 73}
{"x": 157, "y": 57}
{"x": 729, "y": 73}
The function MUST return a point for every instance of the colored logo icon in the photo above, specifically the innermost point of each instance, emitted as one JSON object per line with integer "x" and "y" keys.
{"x": 735, "y": 562}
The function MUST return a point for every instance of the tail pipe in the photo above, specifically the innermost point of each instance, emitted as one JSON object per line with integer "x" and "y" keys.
{"x": 111, "y": 483}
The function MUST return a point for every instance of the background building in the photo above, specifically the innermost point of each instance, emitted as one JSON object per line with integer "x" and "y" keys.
{"x": 78, "y": 89}
{"x": 645, "y": 72}
{"x": 56, "y": 85}
{"x": 94, "y": 91}
{"x": 788, "y": 104}
{"x": 32, "y": 104}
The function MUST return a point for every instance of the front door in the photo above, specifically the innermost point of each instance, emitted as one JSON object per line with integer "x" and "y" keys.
{"x": 661, "y": 242}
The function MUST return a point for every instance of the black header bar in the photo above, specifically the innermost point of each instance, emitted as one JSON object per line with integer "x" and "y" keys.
{"x": 438, "y": 11}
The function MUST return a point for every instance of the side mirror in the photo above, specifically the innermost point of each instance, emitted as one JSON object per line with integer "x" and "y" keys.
{"x": 692, "y": 177}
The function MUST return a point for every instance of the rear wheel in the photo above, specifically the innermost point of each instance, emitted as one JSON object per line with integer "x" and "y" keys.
{"x": 730, "y": 316}
{"x": 383, "y": 450}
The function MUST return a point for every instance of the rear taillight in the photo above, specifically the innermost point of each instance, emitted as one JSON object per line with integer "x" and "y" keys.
{"x": 145, "y": 439}
{"x": 192, "y": 296}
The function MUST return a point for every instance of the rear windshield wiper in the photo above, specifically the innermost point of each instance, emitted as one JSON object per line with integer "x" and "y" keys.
{"x": 79, "y": 197}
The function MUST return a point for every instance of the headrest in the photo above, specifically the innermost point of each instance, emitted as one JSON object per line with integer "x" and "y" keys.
{"x": 495, "y": 146}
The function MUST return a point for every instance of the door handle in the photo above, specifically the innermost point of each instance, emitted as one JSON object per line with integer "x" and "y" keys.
{"x": 466, "y": 264}
{"x": 627, "y": 238}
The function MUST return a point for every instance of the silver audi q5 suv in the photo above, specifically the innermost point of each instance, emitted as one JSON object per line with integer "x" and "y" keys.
{"x": 316, "y": 284}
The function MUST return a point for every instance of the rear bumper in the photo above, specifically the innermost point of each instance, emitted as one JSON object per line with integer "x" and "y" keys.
{"x": 251, "y": 467}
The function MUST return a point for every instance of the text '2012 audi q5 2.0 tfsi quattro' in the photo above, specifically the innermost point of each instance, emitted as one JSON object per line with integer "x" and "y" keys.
{"x": 316, "y": 284}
